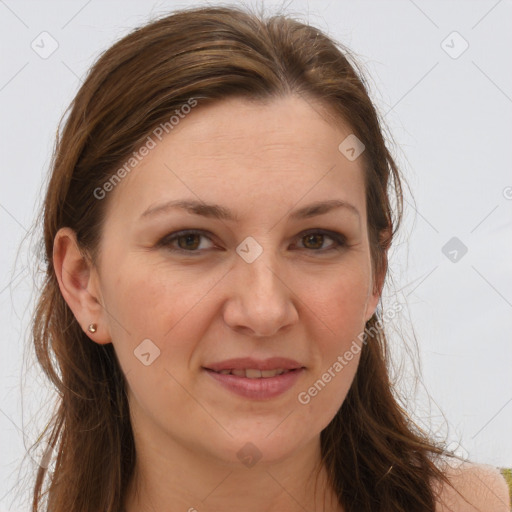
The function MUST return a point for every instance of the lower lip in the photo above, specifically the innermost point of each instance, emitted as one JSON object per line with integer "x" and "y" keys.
{"x": 258, "y": 389}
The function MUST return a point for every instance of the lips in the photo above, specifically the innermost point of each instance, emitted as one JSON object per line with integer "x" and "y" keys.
{"x": 256, "y": 379}
{"x": 259, "y": 388}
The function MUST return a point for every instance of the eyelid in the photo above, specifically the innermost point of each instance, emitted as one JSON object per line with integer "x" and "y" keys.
{"x": 339, "y": 239}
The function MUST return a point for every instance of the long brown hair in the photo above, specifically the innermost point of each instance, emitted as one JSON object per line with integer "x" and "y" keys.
{"x": 377, "y": 459}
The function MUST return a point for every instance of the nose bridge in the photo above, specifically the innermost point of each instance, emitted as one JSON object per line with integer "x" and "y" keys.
{"x": 263, "y": 276}
{"x": 260, "y": 277}
{"x": 262, "y": 300}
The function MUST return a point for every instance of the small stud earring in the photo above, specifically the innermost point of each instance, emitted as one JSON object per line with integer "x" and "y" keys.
{"x": 92, "y": 328}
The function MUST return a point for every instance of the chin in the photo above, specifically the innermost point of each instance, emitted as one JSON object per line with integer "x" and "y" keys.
{"x": 261, "y": 444}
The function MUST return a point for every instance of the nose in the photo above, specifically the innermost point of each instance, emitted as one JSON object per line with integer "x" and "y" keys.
{"x": 260, "y": 302}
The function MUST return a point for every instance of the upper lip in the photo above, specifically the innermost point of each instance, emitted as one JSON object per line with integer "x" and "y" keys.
{"x": 243, "y": 363}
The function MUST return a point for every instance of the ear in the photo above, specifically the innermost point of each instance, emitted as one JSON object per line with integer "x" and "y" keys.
{"x": 373, "y": 300}
{"x": 377, "y": 280}
{"x": 79, "y": 285}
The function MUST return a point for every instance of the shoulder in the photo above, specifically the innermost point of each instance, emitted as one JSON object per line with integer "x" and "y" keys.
{"x": 483, "y": 486}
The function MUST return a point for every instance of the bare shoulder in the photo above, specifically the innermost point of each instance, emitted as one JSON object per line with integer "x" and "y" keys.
{"x": 483, "y": 486}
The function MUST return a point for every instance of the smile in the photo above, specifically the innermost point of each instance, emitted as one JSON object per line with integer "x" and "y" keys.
{"x": 256, "y": 384}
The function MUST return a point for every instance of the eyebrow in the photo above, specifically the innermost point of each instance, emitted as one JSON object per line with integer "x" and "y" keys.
{"x": 216, "y": 211}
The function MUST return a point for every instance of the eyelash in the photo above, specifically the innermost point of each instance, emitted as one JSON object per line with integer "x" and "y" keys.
{"x": 338, "y": 238}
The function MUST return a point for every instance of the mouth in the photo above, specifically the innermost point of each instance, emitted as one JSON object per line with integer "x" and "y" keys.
{"x": 257, "y": 380}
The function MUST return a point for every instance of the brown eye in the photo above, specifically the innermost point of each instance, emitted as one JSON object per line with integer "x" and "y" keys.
{"x": 187, "y": 241}
{"x": 314, "y": 241}
{"x": 190, "y": 242}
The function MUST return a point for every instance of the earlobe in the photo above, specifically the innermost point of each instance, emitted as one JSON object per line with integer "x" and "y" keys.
{"x": 74, "y": 274}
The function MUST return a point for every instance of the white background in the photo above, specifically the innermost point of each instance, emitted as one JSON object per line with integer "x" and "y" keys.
{"x": 451, "y": 121}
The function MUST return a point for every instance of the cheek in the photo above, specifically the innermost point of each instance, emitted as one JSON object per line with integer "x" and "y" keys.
{"x": 339, "y": 304}
{"x": 338, "y": 310}
{"x": 152, "y": 299}
{"x": 148, "y": 302}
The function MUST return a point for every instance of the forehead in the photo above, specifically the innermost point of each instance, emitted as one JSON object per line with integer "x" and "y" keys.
{"x": 253, "y": 156}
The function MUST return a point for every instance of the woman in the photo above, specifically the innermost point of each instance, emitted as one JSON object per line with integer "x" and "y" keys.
{"x": 216, "y": 229}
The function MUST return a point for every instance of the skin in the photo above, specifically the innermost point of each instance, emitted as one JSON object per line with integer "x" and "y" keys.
{"x": 262, "y": 161}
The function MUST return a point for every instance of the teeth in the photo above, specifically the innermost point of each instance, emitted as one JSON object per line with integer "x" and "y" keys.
{"x": 271, "y": 373}
{"x": 251, "y": 373}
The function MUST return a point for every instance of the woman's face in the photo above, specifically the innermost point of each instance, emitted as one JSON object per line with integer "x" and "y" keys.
{"x": 247, "y": 285}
